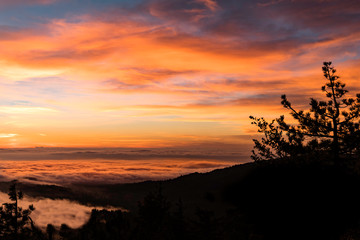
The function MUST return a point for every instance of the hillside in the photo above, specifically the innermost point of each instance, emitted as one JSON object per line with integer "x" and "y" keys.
{"x": 270, "y": 200}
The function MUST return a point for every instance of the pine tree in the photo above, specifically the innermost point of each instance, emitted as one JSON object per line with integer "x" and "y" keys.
{"x": 13, "y": 219}
{"x": 330, "y": 126}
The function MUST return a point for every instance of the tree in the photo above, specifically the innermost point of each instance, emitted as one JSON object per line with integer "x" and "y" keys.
{"x": 50, "y": 230}
{"x": 154, "y": 216}
{"x": 13, "y": 219}
{"x": 330, "y": 126}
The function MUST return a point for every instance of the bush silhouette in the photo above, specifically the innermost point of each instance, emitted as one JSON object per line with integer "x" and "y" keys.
{"x": 14, "y": 220}
{"x": 329, "y": 128}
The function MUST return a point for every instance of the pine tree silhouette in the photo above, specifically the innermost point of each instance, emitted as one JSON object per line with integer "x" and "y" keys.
{"x": 330, "y": 127}
{"x": 13, "y": 219}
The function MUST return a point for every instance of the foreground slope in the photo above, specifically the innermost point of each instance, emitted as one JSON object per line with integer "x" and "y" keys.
{"x": 268, "y": 200}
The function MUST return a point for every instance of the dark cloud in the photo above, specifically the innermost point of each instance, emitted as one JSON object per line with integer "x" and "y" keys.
{"x": 273, "y": 99}
{"x": 145, "y": 78}
{"x": 253, "y": 84}
{"x": 69, "y": 55}
{"x": 192, "y": 11}
{"x": 264, "y": 25}
{"x": 204, "y": 165}
{"x": 287, "y": 19}
{"x": 5, "y": 4}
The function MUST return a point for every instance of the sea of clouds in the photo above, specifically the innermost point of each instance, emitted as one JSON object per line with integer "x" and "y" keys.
{"x": 66, "y": 166}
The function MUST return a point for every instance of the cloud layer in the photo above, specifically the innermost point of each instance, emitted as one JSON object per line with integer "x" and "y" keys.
{"x": 94, "y": 166}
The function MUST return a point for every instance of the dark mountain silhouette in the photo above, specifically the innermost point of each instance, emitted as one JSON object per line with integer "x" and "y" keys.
{"x": 265, "y": 200}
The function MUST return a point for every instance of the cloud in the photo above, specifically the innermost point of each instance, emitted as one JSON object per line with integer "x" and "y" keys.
{"x": 7, "y": 135}
{"x": 269, "y": 3}
{"x": 55, "y": 211}
{"x": 25, "y": 110}
{"x": 5, "y": 4}
{"x": 193, "y": 11}
{"x": 68, "y": 166}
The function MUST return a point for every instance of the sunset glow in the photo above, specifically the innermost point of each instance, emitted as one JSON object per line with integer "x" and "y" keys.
{"x": 155, "y": 73}
{"x": 179, "y": 119}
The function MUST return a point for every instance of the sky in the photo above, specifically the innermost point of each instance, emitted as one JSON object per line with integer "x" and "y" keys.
{"x": 160, "y": 73}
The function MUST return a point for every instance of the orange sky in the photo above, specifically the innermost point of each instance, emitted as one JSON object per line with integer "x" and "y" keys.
{"x": 153, "y": 73}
